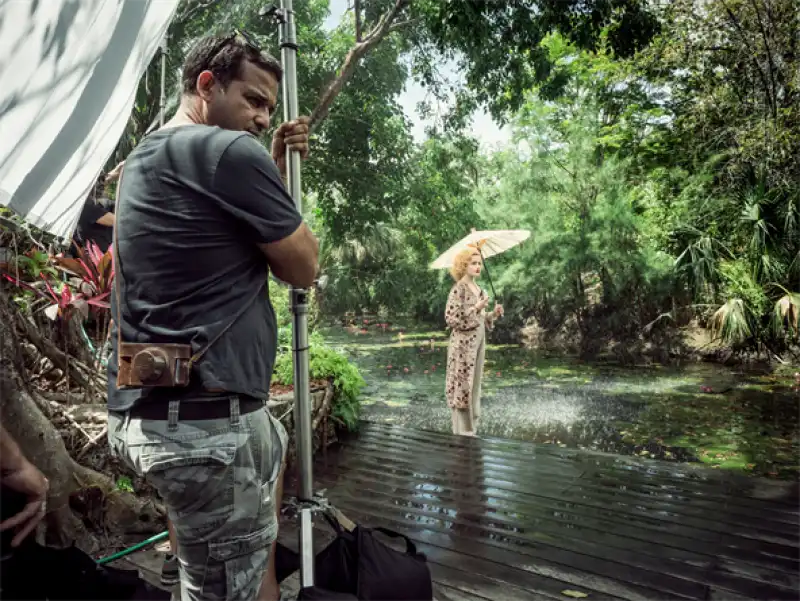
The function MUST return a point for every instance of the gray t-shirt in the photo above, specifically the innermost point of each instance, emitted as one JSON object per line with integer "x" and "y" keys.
{"x": 194, "y": 203}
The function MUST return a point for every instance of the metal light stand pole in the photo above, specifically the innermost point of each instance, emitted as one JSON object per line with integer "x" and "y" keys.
{"x": 299, "y": 303}
{"x": 163, "y": 100}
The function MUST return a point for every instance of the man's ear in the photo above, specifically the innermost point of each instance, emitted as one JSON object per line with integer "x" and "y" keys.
{"x": 205, "y": 83}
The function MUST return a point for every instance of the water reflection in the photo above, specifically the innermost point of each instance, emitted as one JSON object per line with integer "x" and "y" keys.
{"x": 471, "y": 468}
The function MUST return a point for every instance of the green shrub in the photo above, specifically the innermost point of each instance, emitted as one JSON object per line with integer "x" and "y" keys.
{"x": 324, "y": 364}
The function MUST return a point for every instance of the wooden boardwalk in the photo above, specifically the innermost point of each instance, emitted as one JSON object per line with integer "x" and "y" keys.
{"x": 505, "y": 520}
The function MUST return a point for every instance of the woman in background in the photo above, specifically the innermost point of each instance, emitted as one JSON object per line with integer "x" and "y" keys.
{"x": 468, "y": 320}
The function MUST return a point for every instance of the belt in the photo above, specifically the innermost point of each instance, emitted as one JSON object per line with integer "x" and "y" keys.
{"x": 197, "y": 410}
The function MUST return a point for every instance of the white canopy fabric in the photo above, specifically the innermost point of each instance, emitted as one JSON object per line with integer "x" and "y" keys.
{"x": 69, "y": 70}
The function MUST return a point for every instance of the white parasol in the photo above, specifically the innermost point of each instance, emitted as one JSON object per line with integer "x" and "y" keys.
{"x": 487, "y": 242}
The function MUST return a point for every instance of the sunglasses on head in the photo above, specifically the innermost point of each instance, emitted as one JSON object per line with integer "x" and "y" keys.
{"x": 248, "y": 39}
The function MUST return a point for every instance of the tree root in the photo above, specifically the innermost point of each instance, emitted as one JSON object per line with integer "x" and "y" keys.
{"x": 324, "y": 408}
{"x": 112, "y": 510}
{"x": 91, "y": 443}
{"x": 83, "y": 503}
{"x": 59, "y": 358}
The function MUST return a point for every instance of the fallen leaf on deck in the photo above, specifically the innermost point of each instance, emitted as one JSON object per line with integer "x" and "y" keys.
{"x": 574, "y": 594}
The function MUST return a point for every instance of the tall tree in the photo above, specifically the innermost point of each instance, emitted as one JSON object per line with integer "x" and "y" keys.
{"x": 498, "y": 44}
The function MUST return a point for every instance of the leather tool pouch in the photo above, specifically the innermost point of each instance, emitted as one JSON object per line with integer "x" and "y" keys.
{"x": 165, "y": 365}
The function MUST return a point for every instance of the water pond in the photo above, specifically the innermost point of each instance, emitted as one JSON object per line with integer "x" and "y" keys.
{"x": 726, "y": 418}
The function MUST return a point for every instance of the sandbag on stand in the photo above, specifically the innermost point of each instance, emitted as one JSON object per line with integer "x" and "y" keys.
{"x": 358, "y": 565}
{"x": 315, "y": 593}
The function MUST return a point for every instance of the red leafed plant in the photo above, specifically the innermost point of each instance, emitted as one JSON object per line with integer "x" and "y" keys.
{"x": 61, "y": 301}
{"x": 92, "y": 274}
{"x": 89, "y": 282}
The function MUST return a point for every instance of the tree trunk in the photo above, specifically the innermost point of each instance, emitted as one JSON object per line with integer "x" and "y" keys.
{"x": 357, "y": 13}
{"x": 80, "y": 500}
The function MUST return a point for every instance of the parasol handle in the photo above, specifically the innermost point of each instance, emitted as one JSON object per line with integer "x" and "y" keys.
{"x": 488, "y": 275}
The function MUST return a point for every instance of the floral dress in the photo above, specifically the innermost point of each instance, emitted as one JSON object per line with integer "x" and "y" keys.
{"x": 465, "y": 355}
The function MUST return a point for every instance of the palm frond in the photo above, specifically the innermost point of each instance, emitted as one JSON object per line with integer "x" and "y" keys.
{"x": 699, "y": 261}
{"x": 730, "y": 323}
{"x": 786, "y": 314}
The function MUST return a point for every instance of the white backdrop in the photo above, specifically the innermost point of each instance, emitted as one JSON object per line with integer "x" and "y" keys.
{"x": 69, "y": 70}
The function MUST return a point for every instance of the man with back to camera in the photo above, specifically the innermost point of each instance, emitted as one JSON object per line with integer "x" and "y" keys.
{"x": 96, "y": 222}
{"x": 201, "y": 213}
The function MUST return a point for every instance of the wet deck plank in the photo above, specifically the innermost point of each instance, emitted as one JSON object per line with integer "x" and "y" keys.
{"x": 148, "y": 562}
{"x": 506, "y": 519}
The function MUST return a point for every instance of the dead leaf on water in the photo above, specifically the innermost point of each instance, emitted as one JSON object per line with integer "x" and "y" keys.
{"x": 574, "y": 594}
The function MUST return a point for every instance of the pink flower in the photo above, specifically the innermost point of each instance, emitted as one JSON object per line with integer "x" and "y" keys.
{"x": 426, "y": 372}
{"x": 405, "y": 369}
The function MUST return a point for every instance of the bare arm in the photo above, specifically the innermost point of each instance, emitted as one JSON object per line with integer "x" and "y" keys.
{"x": 294, "y": 259}
{"x": 21, "y": 475}
{"x": 11, "y": 458}
{"x": 107, "y": 220}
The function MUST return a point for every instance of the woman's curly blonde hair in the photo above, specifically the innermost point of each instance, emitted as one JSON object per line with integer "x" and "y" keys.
{"x": 461, "y": 261}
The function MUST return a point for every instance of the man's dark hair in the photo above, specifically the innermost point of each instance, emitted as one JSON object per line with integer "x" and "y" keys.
{"x": 223, "y": 56}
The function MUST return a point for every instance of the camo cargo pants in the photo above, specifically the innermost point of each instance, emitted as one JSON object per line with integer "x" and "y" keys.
{"x": 217, "y": 479}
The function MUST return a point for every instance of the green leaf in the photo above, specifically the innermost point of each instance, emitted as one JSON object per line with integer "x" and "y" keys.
{"x": 124, "y": 483}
